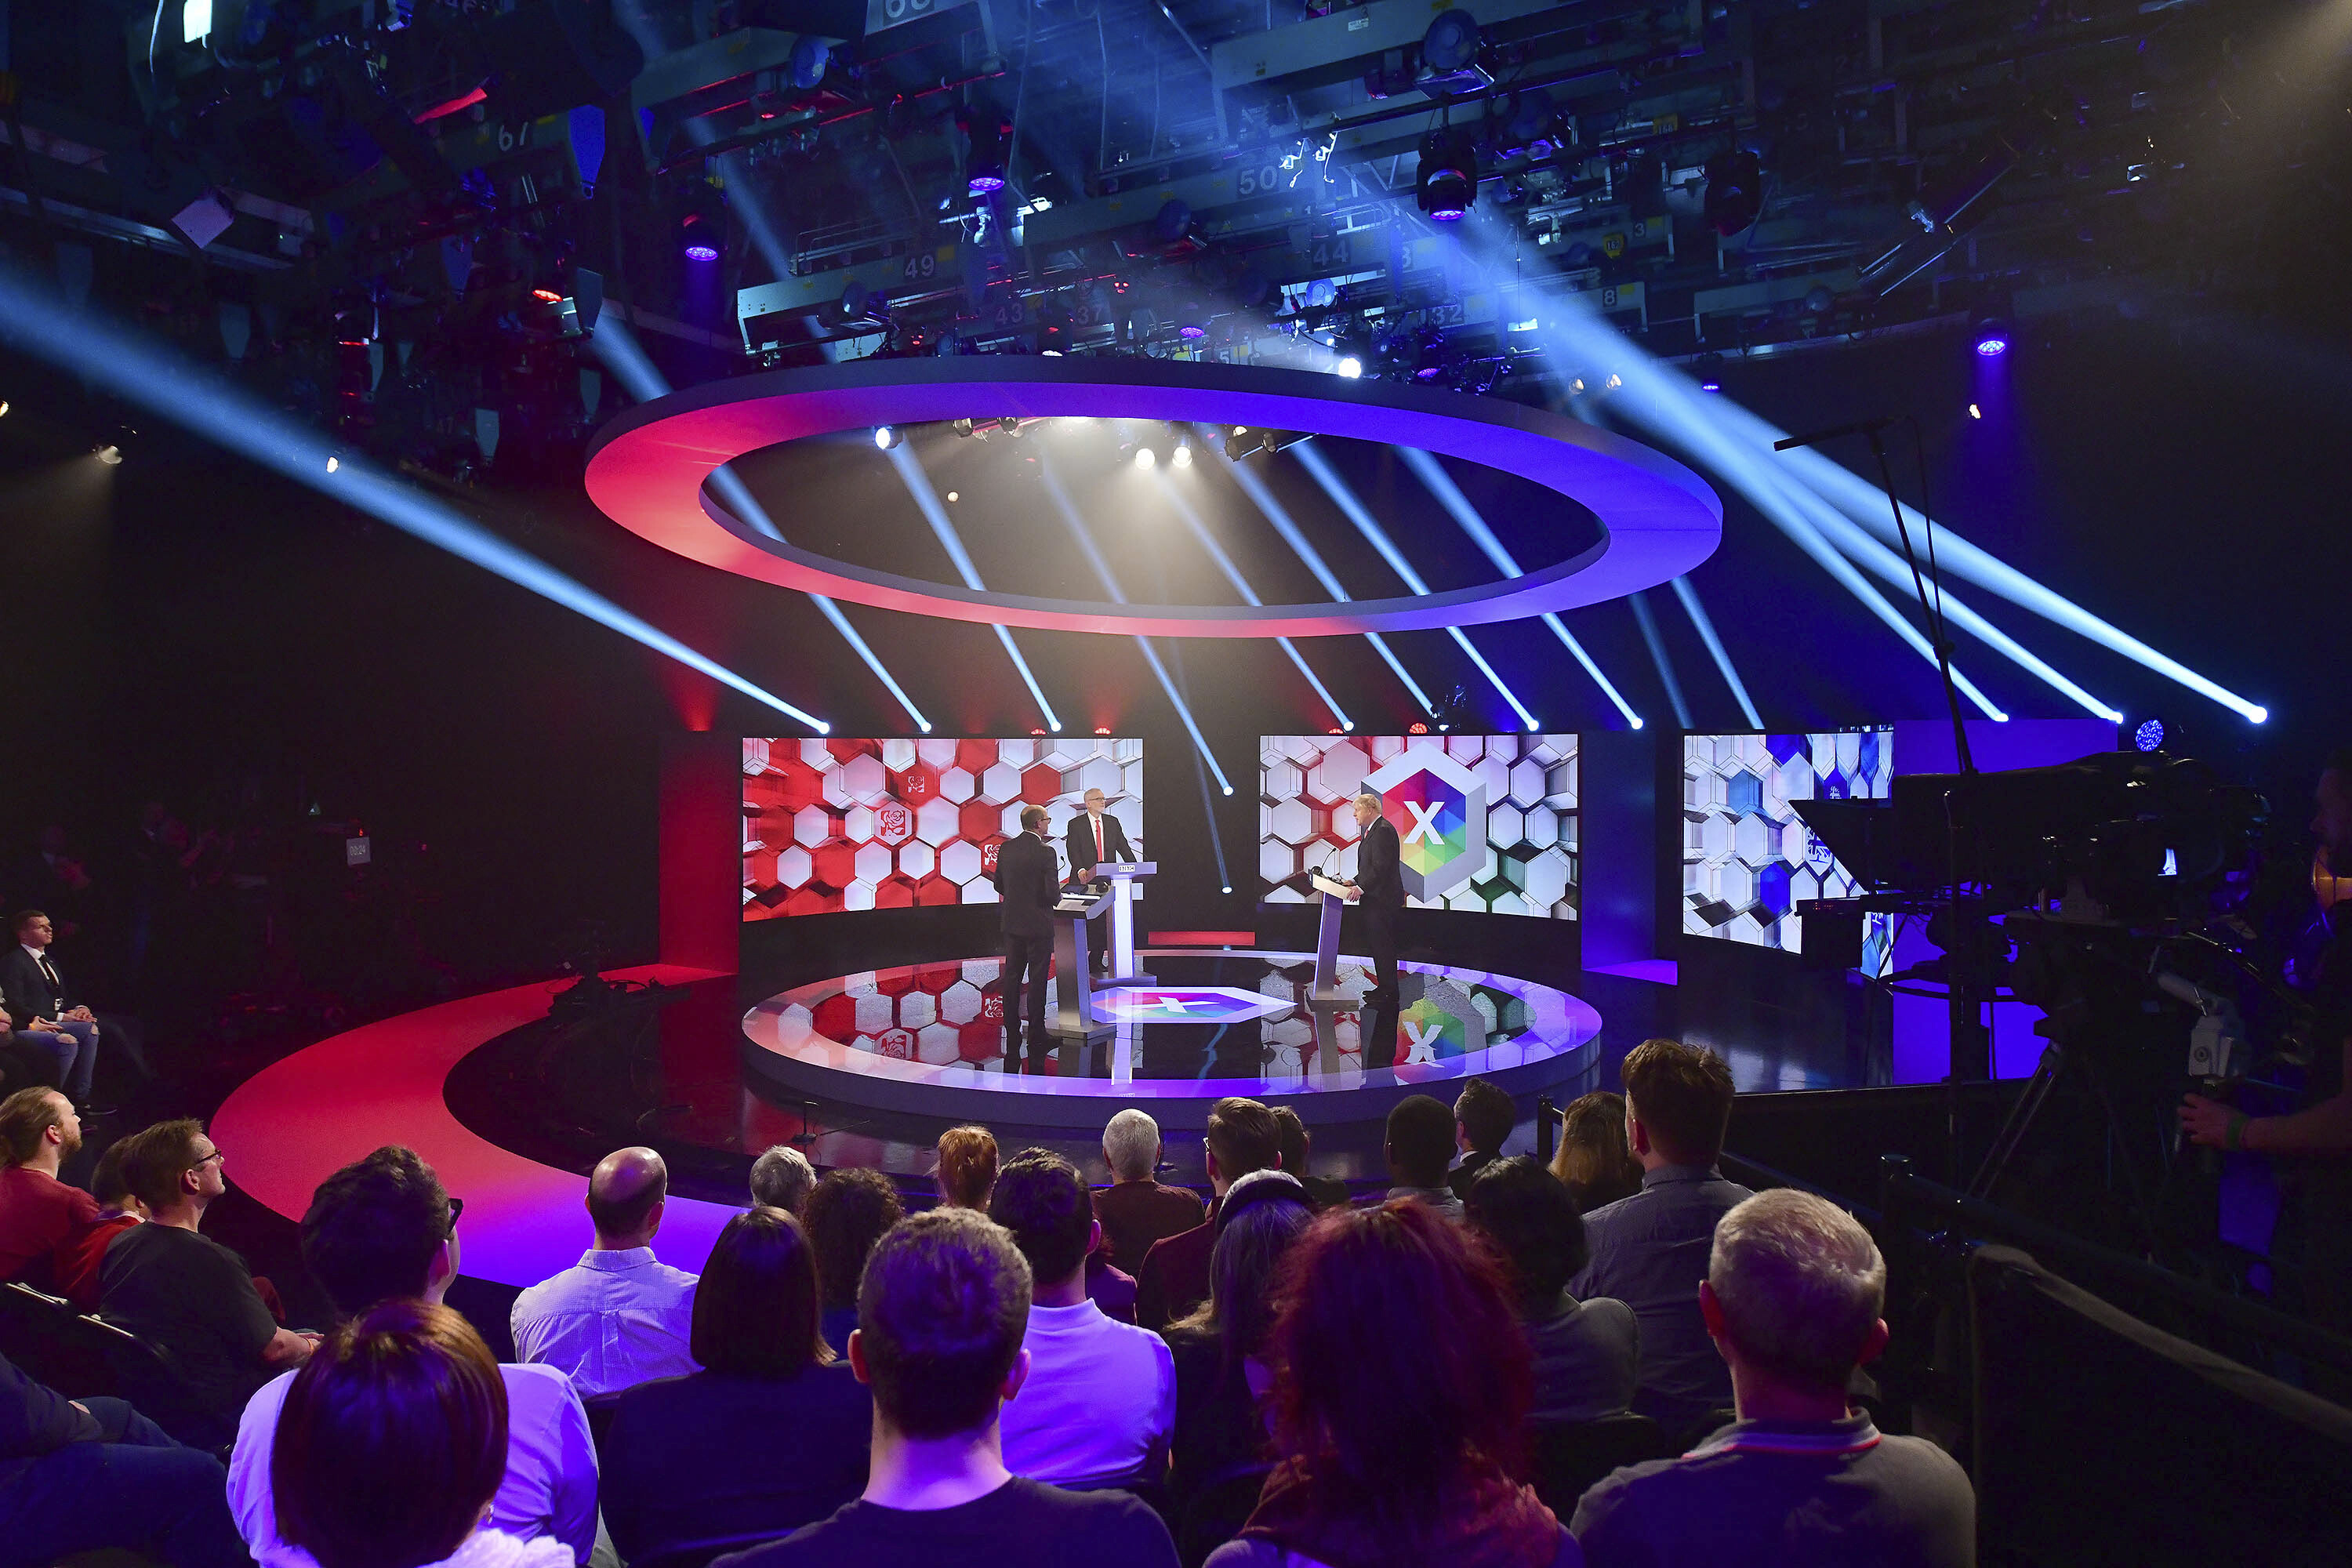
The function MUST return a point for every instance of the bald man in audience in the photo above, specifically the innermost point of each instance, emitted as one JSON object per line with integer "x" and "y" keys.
{"x": 619, "y": 1317}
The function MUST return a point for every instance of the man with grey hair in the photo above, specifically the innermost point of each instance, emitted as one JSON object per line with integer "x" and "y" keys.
{"x": 1793, "y": 1296}
{"x": 1379, "y": 885}
{"x": 781, "y": 1178}
{"x": 1137, "y": 1209}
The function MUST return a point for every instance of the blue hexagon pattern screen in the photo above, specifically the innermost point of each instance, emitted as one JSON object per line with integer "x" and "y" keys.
{"x": 1484, "y": 823}
{"x": 1748, "y": 859}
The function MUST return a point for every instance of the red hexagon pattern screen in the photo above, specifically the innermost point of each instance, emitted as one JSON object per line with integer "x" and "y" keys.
{"x": 833, "y": 825}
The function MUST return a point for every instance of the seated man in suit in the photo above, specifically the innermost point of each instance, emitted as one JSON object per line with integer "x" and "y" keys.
{"x": 41, "y": 1005}
{"x": 1096, "y": 839}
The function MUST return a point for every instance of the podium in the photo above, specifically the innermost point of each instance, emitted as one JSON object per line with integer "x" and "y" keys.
{"x": 1333, "y": 897}
{"x": 1073, "y": 989}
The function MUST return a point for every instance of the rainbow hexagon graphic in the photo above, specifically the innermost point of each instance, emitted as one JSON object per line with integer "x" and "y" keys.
{"x": 1439, "y": 809}
{"x": 1184, "y": 1004}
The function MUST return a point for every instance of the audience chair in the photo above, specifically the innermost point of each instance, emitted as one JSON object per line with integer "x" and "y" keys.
{"x": 1216, "y": 1510}
{"x": 1570, "y": 1457}
{"x": 40, "y": 1334}
{"x": 145, "y": 1374}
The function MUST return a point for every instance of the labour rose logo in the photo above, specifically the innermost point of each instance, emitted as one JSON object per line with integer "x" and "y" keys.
{"x": 893, "y": 824}
{"x": 1439, "y": 809}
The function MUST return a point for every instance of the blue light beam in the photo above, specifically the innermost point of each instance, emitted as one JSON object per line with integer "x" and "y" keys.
{"x": 1377, "y": 537}
{"x": 1085, "y": 542}
{"x": 1439, "y": 483}
{"x": 132, "y": 369}
{"x": 1716, "y": 651}
{"x": 919, "y": 485}
{"x": 1640, "y": 604}
{"x": 617, "y": 349}
{"x": 1255, "y": 488}
{"x": 1232, "y": 574}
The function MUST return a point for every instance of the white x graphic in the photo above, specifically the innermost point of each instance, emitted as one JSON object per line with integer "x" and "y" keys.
{"x": 1424, "y": 822}
{"x": 1169, "y": 1003}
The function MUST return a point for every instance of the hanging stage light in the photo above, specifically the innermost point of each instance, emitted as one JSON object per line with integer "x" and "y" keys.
{"x": 1992, "y": 339}
{"x": 990, "y": 138}
{"x": 1447, "y": 183}
{"x": 886, "y": 437}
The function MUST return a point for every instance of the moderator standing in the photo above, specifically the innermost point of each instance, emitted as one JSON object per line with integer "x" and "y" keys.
{"x": 1028, "y": 883}
{"x": 1380, "y": 888}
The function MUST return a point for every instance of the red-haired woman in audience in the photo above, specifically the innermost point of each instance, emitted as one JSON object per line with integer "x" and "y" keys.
{"x": 967, "y": 1172}
{"x": 770, "y": 1436}
{"x": 1402, "y": 1392}
{"x": 390, "y": 1444}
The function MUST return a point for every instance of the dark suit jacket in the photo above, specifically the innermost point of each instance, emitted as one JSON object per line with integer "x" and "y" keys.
{"x": 1080, "y": 843}
{"x": 27, "y": 990}
{"x": 1174, "y": 1278}
{"x": 1030, "y": 884}
{"x": 1376, "y": 866}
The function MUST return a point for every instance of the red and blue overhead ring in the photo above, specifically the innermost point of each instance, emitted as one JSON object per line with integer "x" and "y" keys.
{"x": 646, "y": 471}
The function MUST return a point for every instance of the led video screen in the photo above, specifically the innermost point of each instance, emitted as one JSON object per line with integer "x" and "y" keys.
{"x": 1484, "y": 823}
{"x": 1747, "y": 858}
{"x": 831, "y": 826}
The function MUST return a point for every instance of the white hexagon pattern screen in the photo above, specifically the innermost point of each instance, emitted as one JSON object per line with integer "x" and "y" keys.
{"x": 1486, "y": 823}
{"x": 1748, "y": 859}
{"x": 833, "y": 825}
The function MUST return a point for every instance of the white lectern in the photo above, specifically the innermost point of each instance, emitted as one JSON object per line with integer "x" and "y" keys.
{"x": 1333, "y": 897}
{"x": 1123, "y": 875}
{"x": 1074, "y": 987}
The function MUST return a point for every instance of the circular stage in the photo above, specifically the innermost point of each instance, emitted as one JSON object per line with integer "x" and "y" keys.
{"x": 929, "y": 1039}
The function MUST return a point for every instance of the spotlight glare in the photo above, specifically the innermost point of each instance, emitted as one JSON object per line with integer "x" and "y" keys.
{"x": 884, "y": 438}
{"x": 701, "y": 253}
{"x": 1992, "y": 344}
{"x": 333, "y": 464}
{"x": 1145, "y": 457}
{"x": 1974, "y": 412}
{"x": 2259, "y": 715}
{"x": 1225, "y": 889}
{"x": 2149, "y": 736}
{"x": 547, "y": 295}
{"x": 4, "y": 405}
{"x": 1710, "y": 386}
{"x": 1181, "y": 457}
{"x": 952, "y": 496}
{"x": 110, "y": 455}
{"x": 1351, "y": 367}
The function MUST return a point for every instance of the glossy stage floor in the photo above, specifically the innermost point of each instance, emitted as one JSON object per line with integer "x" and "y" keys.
{"x": 514, "y": 1094}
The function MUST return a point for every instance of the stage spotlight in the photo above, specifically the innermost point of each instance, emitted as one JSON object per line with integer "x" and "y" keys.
{"x": 1182, "y": 456}
{"x": 4, "y": 408}
{"x": 1448, "y": 184}
{"x": 1710, "y": 386}
{"x": 333, "y": 463}
{"x": 991, "y": 136}
{"x": 1145, "y": 457}
{"x": 954, "y": 496}
{"x": 1191, "y": 321}
{"x": 1102, "y": 729}
{"x": 1992, "y": 340}
{"x": 886, "y": 437}
{"x": 1225, "y": 889}
{"x": 1350, "y": 366}
{"x": 110, "y": 454}
{"x": 1974, "y": 412}
{"x": 1416, "y": 728}
{"x": 2149, "y": 736}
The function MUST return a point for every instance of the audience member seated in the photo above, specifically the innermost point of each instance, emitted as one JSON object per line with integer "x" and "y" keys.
{"x": 1585, "y": 1352}
{"x": 382, "y": 1230}
{"x": 1137, "y": 1209}
{"x": 1650, "y": 1250}
{"x": 43, "y": 1222}
{"x": 967, "y": 1167}
{"x": 1593, "y": 1160}
{"x": 1100, "y": 1398}
{"x": 940, "y": 1316}
{"x": 169, "y": 1283}
{"x": 1793, "y": 1298}
{"x": 1291, "y": 1133}
{"x": 391, "y": 1446}
{"x": 847, "y": 1213}
{"x": 1419, "y": 1146}
{"x": 1482, "y": 1119}
{"x": 34, "y": 1059}
{"x": 118, "y": 1209}
{"x": 1222, "y": 1379}
{"x": 41, "y": 1007}
{"x": 89, "y": 1475}
{"x": 771, "y": 1435}
{"x": 1243, "y": 1136}
{"x": 620, "y": 1315}
{"x": 1401, "y": 1396}
{"x": 781, "y": 1179}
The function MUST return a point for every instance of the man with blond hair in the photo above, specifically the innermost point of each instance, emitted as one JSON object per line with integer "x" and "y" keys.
{"x": 1793, "y": 1296}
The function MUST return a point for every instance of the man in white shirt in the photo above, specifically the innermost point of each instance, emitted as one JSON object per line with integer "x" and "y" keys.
{"x": 618, "y": 1317}
{"x": 382, "y": 1228}
{"x": 1100, "y": 1403}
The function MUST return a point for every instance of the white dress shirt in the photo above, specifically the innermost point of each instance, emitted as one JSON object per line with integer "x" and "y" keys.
{"x": 612, "y": 1321}
{"x": 550, "y": 1487}
{"x": 1099, "y": 1399}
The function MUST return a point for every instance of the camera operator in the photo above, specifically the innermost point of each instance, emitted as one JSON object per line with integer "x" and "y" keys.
{"x": 2317, "y": 1137}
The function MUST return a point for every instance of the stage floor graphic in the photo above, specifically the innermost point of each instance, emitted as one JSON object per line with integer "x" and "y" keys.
{"x": 929, "y": 1038}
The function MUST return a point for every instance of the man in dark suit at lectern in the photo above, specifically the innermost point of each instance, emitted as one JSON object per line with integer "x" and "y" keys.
{"x": 1028, "y": 884}
{"x": 1380, "y": 888}
{"x": 1096, "y": 839}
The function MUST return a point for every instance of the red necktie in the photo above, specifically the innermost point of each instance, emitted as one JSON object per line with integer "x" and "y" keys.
{"x": 1099, "y": 843}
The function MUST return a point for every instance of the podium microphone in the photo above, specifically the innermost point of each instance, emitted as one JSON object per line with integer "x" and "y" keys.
{"x": 1851, "y": 428}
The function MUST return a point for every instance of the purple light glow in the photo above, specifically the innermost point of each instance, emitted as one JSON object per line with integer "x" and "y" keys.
{"x": 984, "y": 184}
{"x": 1992, "y": 345}
{"x": 701, "y": 253}
{"x": 1447, "y": 215}
{"x": 1190, "y": 332}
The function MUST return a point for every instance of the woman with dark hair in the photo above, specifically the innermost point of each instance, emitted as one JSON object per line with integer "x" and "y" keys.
{"x": 1402, "y": 1382}
{"x": 771, "y": 1435}
{"x": 390, "y": 1444}
{"x": 1593, "y": 1161}
{"x": 849, "y": 1211}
